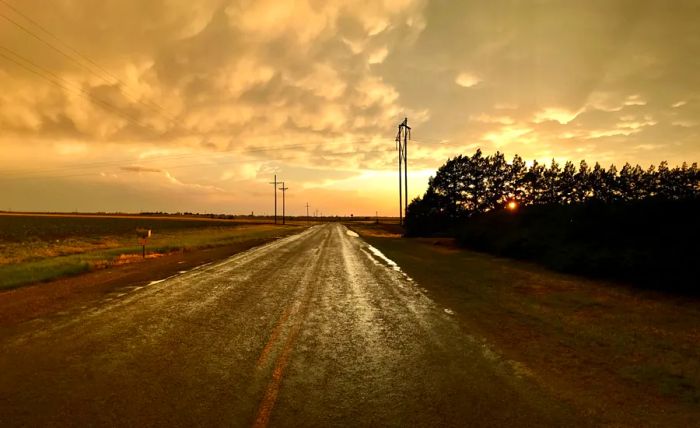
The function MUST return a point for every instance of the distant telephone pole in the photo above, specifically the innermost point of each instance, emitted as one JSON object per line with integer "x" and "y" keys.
{"x": 307, "y": 210}
{"x": 275, "y": 183}
{"x": 402, "y": 146}
{"x": 283, "y": 189}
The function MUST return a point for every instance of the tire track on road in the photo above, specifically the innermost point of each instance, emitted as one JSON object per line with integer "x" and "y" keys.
{"x": 297, "y": 314}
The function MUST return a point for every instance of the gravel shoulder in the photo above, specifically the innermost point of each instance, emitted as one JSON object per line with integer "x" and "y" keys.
{"x": 45, "y": 299}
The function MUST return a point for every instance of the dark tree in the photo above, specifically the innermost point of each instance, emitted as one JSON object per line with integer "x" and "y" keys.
{"x": 468, "y": 185}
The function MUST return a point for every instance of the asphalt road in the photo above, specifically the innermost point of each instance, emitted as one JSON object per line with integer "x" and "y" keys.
{"x": 316, "y": 329}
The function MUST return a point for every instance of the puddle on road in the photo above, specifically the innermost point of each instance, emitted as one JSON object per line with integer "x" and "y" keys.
{"x": 392, "y": 264}
{"x": 351, "y": 233}
{"x": 180, "y": 272}
{"x": 381, "y": 255}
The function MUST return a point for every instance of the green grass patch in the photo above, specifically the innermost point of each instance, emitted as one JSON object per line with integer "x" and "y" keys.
{"x": 45, "y": 268}
{"x": 12, "y": 276}
{"x": 15, "y": 275}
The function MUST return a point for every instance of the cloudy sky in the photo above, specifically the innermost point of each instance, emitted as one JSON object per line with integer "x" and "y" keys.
{"x": 180, "y": 105}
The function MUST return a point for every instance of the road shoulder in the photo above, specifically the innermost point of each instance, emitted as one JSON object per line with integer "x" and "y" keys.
{"x": 618, "y": 355}
{"x": 44, "y": 299}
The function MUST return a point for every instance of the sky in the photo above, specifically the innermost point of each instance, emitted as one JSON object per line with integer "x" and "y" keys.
{"x": 180, "y": 105}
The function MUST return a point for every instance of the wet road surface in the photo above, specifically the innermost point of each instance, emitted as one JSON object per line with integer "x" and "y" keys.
{"x": 316, "y": 329}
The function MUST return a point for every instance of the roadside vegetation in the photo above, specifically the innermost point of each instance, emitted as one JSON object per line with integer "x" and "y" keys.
{"x": 42, "y": 248}
{"x": 636, "y": 225}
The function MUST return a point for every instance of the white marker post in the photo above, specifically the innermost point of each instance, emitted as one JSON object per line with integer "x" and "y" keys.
{"x": 143, "y": 235}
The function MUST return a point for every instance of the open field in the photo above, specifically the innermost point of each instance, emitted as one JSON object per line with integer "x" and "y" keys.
{"x": 20, "y": 227}
{"x": 36, "y": 248}
{"x": 627, "y": 357}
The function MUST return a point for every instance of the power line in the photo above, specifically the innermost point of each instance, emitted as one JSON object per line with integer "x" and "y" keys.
{"x": 60, "y": 81}
{"x": 273, "y": 159}
{"x": 23, "y": 172}
{"x": 431, "y": 141}
{"x": 77, "y": 61}
{"x": 160, "y": 169}
{"x": 42, "y": 174}
{"x": 55, "y": 37}
{"x": 57, "y": 82}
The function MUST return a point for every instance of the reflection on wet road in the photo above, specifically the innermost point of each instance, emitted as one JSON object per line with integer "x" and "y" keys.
{"x": 316, "y": 329}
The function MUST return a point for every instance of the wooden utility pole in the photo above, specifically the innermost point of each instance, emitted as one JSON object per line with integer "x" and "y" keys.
{"x": 283, "y": 189}
{"x": 402, "y": 146}
{"x": 275, "y": 183}
{"x": 307, "y": 210}
{"x": 406, "y": 132}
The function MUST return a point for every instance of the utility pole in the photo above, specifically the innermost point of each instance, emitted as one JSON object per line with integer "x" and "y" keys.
{"x": 283, "y": 189}
{"x": 275, "y": 183}
{"x": 402, "y": 146}
{"x": 307, "y": 210}
{"x": 399, "y": 147}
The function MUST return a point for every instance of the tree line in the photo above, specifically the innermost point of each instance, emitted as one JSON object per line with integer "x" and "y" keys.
{"x": 468, "y": 185}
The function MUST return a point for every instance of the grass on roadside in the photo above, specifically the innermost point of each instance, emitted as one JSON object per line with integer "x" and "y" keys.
{"x": 86, "y": 255}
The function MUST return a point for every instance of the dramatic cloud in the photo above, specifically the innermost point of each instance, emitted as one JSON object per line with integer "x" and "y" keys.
{"x": 205, "y": 100}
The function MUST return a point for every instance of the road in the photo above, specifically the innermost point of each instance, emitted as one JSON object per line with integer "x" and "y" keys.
{"x": 316, "y": 329}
